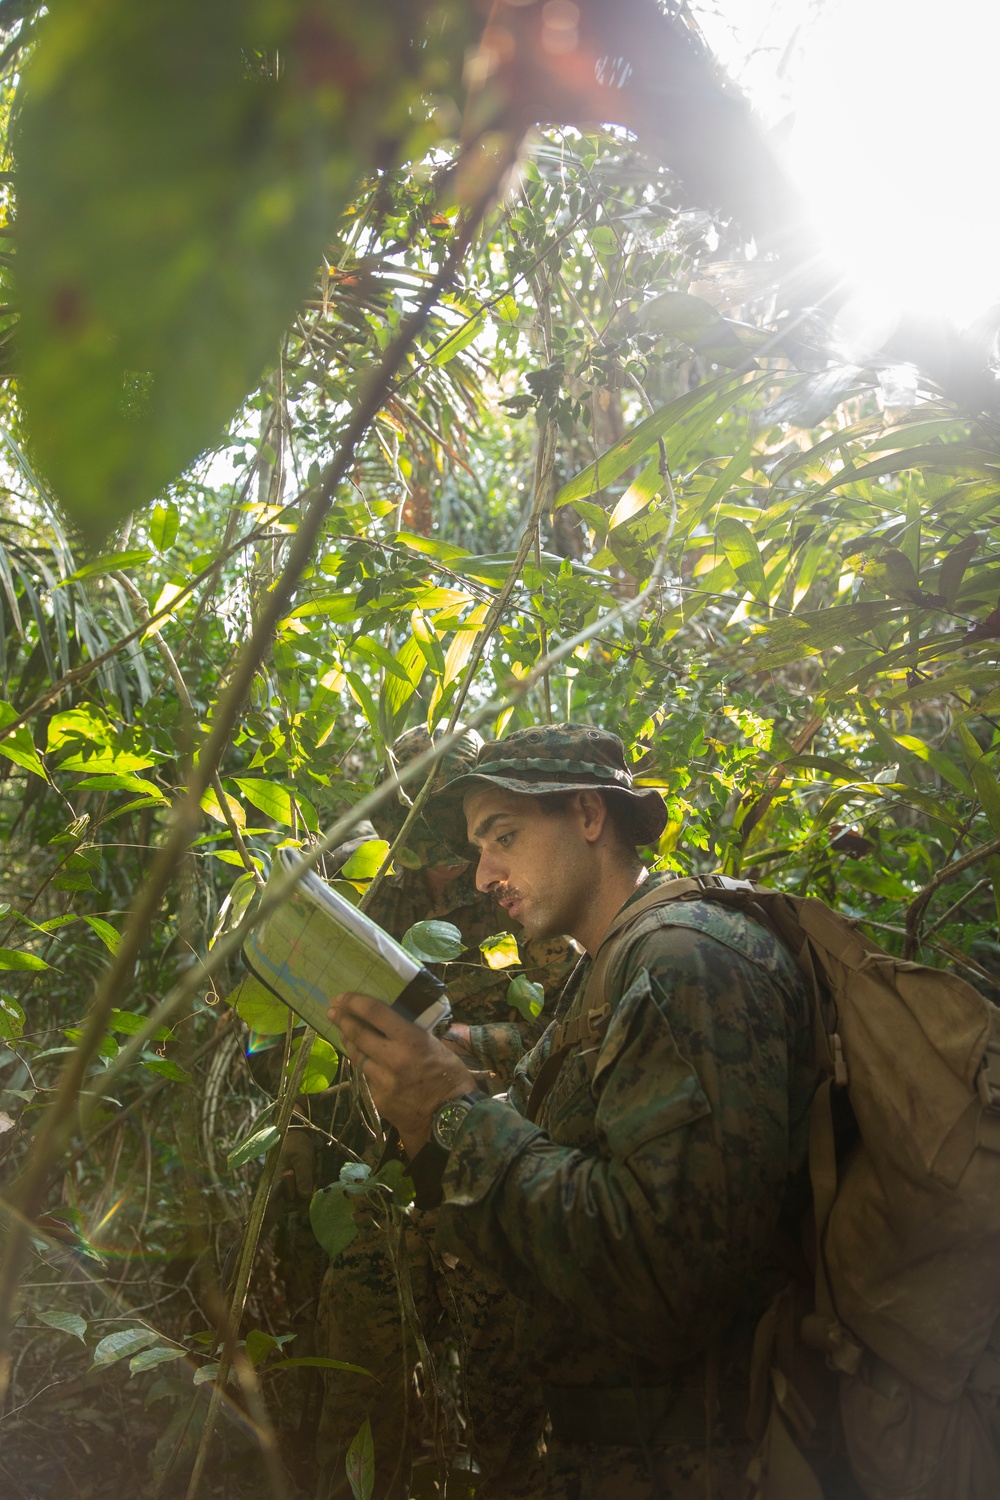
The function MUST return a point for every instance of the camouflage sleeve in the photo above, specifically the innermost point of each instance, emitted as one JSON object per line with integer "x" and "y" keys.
{"x": 663, "y": 1197}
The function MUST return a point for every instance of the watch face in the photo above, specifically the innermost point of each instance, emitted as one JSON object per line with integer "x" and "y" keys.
{"x": 447, "y": 1119}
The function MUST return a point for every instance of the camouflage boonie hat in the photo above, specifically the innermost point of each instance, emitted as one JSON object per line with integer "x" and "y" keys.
{"x": 551, "y": 758}
{"x": 424, "y": 844}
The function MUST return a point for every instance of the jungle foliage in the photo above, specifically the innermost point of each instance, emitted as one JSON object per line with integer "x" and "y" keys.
{"x": 543, "y": 447}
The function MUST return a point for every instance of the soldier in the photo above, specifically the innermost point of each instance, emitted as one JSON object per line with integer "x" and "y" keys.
{"x": 359, "y": 1315}
{"x": 638, "y": 1221}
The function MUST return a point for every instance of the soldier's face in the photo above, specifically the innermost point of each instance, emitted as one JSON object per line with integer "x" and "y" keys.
{"x": 537, "y": 864}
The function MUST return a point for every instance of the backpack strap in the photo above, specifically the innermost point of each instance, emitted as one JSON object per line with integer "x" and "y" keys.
{"x": 584, "y": 1028}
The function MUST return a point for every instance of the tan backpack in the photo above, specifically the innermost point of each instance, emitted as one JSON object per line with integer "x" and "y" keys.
{"x": 906, "y": 1304}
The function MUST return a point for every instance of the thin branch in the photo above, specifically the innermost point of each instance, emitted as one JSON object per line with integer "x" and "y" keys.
{"x": 916, "y": 909}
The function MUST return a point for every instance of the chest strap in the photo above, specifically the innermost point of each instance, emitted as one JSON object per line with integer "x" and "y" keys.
{"x": 583, "y": 1029}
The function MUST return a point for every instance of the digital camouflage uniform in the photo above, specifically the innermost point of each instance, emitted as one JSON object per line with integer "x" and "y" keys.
{"x": 359, "y": 1312}
{"x": 638, "y": 1222}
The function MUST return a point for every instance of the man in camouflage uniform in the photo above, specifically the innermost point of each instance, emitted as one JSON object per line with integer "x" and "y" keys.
{"x": 359, "y": 1315}
{"x": 639, "y": 1220}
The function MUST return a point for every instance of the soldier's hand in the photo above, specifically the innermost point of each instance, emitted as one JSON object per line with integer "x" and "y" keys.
{"x": 408, "y": 1071}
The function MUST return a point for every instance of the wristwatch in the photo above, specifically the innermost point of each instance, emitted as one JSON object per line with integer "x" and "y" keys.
{"x": 448, "y": 1116}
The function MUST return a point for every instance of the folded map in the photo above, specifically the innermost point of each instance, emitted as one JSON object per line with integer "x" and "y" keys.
{"x": 316, "y": 945}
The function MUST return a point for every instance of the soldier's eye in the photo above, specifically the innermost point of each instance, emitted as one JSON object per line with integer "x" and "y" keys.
{"x": 503, "y": 839}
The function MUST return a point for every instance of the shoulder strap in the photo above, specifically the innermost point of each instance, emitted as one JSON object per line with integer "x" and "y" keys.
{"x": 588, "y": 1021}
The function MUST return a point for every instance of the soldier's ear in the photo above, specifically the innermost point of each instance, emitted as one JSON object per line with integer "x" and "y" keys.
{"x": 594, "y": 813}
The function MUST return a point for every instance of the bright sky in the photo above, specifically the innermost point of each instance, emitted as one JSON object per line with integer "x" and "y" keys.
{"x": 894, "y": 136}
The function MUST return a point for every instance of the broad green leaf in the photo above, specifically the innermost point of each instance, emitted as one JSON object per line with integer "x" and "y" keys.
{"x": 983, "y": 776}
{"x": 318, "y": 1362}
{"x": 272, "y": 800}
{"x": 122, "y": 781}
{"x": 629, "y": 449}
{"x": 165, "y": 1067}
{"x": 259, "y": 1345}
{"x": 331, "y": 1215}
{"x": 130, "y": 1023}
{"x": 19, "y": 746}
{"x": 740, "y": 547}
{"x": 433, "y": 942}
{"x": 953, "y": 568}
{"x": 796, "y": 636}
{"x": 206, "y": 1373}
{"x": 892, "y": 572}
{"x": 122, "y": 1345}
{"x": 148, "y": 1359}
{"x": 935, "y": 758}
{"x": 109, "y": 936}
{"x": 103, "y": 763}
{"x": 65, "y": 1322}
{"x": 263, "y": 1012}
{"x": 11, "y": 1019}
{"x": 163, "y": 526}
{"x": 366, "y": 860}
{"x": 110, "y": 562}
{"x": 393, "y": 1176}
{"x": 337, "y": 608}
{"x": 361, "y": 1463}
{"x": 258, "y": 1144}
{"x": 458, "y": 340}
{"x": 210, "y": 804}
{"x": 460, "y": 650}
{"x": 500, "y": 950}
{"x": 174, "y": 200}
{"x": 525, "y": 996}
{"x": 16, "y": 958}
{"x": 321, "y": 1066}
{"x": 377, "y": 653}
{"x": 638, "y": 494}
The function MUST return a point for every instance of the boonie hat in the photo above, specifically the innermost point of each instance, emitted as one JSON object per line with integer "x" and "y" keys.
{"x": 551, "y": 758}
{"x": 424, "y": 844}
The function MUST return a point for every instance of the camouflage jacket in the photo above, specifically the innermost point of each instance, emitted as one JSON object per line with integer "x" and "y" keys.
{"x": 500, "y": 1036}
{"x": 637, "y": 1224}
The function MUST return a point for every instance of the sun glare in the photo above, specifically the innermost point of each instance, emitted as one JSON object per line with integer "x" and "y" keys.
{"x": 892, "y": 138}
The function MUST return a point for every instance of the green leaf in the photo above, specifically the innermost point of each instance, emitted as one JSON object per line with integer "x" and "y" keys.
{"x": 331, "y": 1215}
{"x": 110, "y": 562}
{"x": 953, "y": 567}
{"x": 893, "y": 572}
{"x": 377, "y": 653}
{"x": 16, "y": 958}
{"x": 321, "y": 1066}
{"x": 163, "y": 526}
{"x": 318, "y": 1362}
{"x": 458, "y": 340}
{"x": 433, "y": 942}
{"x": 526, "y": 997}
{"x": 123, "y": 782}
{"x": 500, "y": 950}
{"x": 740, "y": 547}
{"x": 361, "y": 1463}
{"x": 174, "y": 200}
{"x": 11, "y": 1019}
{"x": 262, "y": 1011}
{"x": 109, "y": 936}
{"x": 19, "y": 746}
{"x": 983, "y": 776}
{"x": 161, "y": 1354}
{"x": 271, "y": 799}
{"x": 165, "y": 1067}
{"x": 130, "y": 1023}
{"x": 259, "y": 1345}
{"x": 121, "y": 1345}
{"x": 722, "y": 393}
{"x": 638, "y": 494}
{"x": 258, "y": 1144}
{"x": 796, "y": 636}
{"x": 65, "y": 1322}
{"x": 393, "y": 1176}
{"x": 366, "y": 860}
